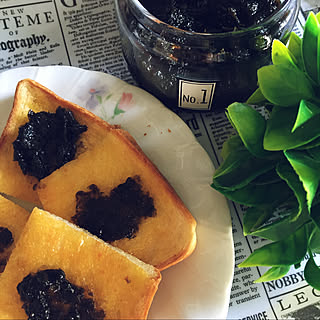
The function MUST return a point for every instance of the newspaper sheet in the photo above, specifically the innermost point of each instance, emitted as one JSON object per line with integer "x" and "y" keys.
{"x": 84, "y": 33}
{"x": 310, "y": 5}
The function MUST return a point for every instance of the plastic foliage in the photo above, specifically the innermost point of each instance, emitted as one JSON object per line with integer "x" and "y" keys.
{"x": 272, "y": 164}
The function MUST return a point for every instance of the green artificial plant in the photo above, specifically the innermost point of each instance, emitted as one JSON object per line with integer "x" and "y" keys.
{"x": 272, "y": 164}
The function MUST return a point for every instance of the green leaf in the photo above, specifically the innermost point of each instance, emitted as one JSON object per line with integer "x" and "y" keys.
{"x": 308, "y": 170}
{"x": 310, "y": 46}
{"x": 281, "y": 253}
{"x": 282, "y": 227}
{"x": 294, "y": 46}
{"x": 239, "y": 168}
{"x": 255, "y": 217}
{"x": 315, "y": 214}
{"x": 314, "y": 240}
{"x": 314, "y": 152}
{"x": 313, "y": 144}
{"x": 232, "y": 144}
{"x": 273, "y": 273}
{"x": 281, "y": 54}
{"x": 286, "y": 172}
{"x": 227, "y": 115}
{"x": 256, "y": 195}
{"x": 306, "y": 111}
{"x": 312, "y": 273}
{"x": 284, "y": 85}
{"x": 278, "y": 135}
{"x": 257, "y": 98}
{"x": 268, "y": 177}
{"x": 318, "y": 57}
{"x": 250, "y": 126}
{"x": 279, "y": 222}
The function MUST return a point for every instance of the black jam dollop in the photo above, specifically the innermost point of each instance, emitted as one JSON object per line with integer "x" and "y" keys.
{"x": 116, "y": 216}
{"x": 47, "y": 142}
{"x": 6, "y": 240}
{"x": 47, "y": 294}
{"x": 212, "y": 16}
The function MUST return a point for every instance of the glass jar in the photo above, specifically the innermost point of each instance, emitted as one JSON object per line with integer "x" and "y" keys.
{"x": 198, "y": 71}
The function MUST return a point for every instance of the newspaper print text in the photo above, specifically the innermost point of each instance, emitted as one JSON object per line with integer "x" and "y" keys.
{"x": 28, "y": 42}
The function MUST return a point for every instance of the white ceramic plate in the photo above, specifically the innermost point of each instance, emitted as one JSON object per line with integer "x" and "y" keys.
{"x": 198, "y": 287}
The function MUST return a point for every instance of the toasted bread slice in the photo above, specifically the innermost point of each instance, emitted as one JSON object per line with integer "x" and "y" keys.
{"x": 107, "y": 158}
{"x": 119, "y": 284}
{"x": 12, "y": 221}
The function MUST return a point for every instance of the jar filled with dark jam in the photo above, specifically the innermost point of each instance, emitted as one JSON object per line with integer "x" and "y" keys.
{"x": 201, "y": 54}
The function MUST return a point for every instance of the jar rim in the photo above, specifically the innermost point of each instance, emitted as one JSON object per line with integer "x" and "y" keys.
{"x": 154, "y": 23}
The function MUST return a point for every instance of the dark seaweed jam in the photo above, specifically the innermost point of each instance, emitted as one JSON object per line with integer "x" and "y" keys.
{"x": 6, "y": 240}
{"x": 47, "y": 142}
{"x": 48, "y": 294}
{"x": 3, "y": 263}
{"x": 212, "y": 16}
{"x": 116, "y": 216}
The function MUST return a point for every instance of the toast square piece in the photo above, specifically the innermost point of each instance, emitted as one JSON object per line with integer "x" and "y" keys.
{"x": 120, "y": 285}
{"x": 30, "y": 95}
{"x": 12, "y": 221}
{"x": 107, "y": 157}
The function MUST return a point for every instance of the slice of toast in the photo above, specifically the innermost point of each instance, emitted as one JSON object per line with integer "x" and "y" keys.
{"x": 108, "y": 156}
{"x": 119, "y": 284}
{"x": 12, "y": 221}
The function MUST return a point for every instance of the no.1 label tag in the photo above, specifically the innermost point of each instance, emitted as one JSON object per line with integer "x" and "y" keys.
{"x": 195, "y": 95}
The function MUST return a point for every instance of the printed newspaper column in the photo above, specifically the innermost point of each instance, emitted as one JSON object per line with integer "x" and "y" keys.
{"x": 29, "y": 35}
{"x": 248, "y": 300}
{"x": 92, "y": 36}
{"x": 292, "y": 298}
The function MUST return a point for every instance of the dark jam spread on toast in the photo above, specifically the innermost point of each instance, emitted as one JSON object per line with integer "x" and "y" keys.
{"x": 47, "y": 142}
{"x": 6, "y": 240}
{"x": 47, "y": 294}
{"x": 116, "y": 216}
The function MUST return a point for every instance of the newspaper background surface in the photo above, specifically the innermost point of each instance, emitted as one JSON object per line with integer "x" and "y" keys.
{"x": 84, "y": 33}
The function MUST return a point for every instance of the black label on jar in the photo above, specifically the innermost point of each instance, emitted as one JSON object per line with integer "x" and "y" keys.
{"x": 196, "y": 95}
